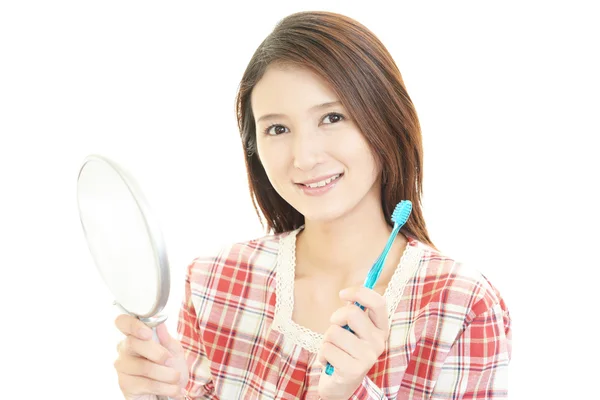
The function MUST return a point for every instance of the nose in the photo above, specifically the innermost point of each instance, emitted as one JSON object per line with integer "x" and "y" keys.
{"x": 307, "y": 150}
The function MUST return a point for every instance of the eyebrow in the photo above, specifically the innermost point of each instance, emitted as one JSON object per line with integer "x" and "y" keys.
{"x": 317, "y": 107}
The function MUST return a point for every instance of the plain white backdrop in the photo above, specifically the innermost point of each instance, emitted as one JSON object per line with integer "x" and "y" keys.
{"x": 507, "y": 95}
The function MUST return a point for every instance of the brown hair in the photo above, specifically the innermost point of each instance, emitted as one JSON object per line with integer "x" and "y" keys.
{"x": 362, "y": 72}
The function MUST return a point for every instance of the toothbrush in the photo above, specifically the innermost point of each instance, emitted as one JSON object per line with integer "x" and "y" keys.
{"x": 399, "y": 217}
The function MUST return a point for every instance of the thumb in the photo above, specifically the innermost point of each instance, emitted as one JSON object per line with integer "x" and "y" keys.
{"x": 168, "y": 342}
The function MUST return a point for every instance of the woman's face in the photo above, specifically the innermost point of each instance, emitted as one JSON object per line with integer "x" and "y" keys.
{"x": 314, "y": 155}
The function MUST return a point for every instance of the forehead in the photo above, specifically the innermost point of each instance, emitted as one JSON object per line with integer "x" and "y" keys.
{"x": 289, "y": 89}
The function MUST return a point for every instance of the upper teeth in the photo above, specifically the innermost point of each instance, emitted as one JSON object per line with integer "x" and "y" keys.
{"x": 323, "y": 182}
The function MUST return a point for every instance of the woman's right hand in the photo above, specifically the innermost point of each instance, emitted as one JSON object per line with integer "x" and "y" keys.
{"x": 146, "y": 367}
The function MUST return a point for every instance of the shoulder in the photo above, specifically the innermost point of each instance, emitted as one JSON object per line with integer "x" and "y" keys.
{"x": 450, "y": 287}
{"x": 235, "y": 260}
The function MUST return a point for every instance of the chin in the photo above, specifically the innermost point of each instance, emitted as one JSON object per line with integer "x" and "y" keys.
{"x": 322, "y": 215}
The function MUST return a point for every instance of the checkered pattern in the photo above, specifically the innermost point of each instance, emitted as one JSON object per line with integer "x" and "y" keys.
{"x": 450, "y": 335}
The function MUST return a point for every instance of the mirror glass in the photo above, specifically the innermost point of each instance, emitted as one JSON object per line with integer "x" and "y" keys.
{"x": 124, "y": 240}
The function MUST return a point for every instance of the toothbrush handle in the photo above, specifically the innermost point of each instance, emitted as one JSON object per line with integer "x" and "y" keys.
{"x": 390, "y": 242}
{"x": 378, "y": 265}
{"x": 329, "y": 368}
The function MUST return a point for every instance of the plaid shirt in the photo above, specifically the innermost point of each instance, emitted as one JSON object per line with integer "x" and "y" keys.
{"x": 450, "y": 331}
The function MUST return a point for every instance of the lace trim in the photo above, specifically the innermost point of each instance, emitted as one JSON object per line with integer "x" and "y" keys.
{"x": 284, "y": 305}
{"x": 285, "y": 277}
{"x": 405, "y": 270}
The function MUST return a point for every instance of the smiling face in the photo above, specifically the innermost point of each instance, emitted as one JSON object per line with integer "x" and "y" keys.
{"x": 312, "y": 152}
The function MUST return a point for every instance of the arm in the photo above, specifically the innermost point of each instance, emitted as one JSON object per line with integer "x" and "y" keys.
{"x": 463, "y": 343}
{"x": 200, "y": 385}
{"x": 477, "y": 365}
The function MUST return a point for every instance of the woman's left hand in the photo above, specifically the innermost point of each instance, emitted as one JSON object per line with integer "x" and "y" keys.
{"x": 353, "y": 355}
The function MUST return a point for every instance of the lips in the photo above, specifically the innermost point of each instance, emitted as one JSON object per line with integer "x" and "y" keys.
{"x": 321, "y": 186}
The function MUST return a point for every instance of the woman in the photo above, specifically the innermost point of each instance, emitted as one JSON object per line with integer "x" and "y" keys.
{"x": 332, "y": 143}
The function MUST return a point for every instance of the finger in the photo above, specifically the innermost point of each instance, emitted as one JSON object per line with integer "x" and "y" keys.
{"x": 138, "y": 385}
{"x": 357, "y": 319}
{"x": 346, "y": 341}
{"x": 371, "y": 300}
{"x": 168, "y": 341}
{"x": 148, "y": 349}
{"x": 341, "y": 361}
{"x": 130, "y": 325}
{"x": 142, "y": 367}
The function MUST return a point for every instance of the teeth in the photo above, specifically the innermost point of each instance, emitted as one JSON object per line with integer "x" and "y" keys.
{"x": 323, "y": 183}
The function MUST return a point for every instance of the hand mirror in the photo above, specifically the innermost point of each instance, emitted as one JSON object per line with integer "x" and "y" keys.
{"x": 124, "y": 239}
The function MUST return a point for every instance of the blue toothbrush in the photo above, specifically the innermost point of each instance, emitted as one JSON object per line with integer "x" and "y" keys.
{"x": 399, "y": 217}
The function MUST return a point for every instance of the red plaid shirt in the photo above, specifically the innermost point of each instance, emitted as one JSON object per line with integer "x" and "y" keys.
{"x": 450, "y": 332}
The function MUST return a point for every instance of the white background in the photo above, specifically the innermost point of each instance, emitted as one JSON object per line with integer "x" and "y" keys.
{"x": 507, "y": 95}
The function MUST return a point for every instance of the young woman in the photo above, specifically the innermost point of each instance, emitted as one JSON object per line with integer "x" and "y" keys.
{"x": 332, "y": 143}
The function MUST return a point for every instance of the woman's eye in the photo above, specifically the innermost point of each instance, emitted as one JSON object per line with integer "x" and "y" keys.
{"x": 275, "y": 130}
{"x": 333, "y": 118}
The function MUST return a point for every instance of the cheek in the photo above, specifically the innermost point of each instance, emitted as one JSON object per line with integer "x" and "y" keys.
{"x": 369, "y": 168}
{"x": 359, "y": 154}
{"x": 371, "y": 163}
{"x": 270, "y": 158}
{"x": 375, "y": 165}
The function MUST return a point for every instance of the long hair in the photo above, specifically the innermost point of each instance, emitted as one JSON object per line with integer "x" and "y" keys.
{"x": 363, "y": 74}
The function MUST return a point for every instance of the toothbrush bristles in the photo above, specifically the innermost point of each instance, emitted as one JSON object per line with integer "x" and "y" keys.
{"x": 402, "y": 212}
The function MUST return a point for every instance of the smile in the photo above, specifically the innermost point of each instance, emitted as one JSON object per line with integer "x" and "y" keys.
{"x": 322, "y": 183}
{"x": 321, "y": 187}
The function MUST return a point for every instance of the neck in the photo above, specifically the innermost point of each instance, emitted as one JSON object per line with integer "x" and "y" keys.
{"x": 347, "y": 245}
